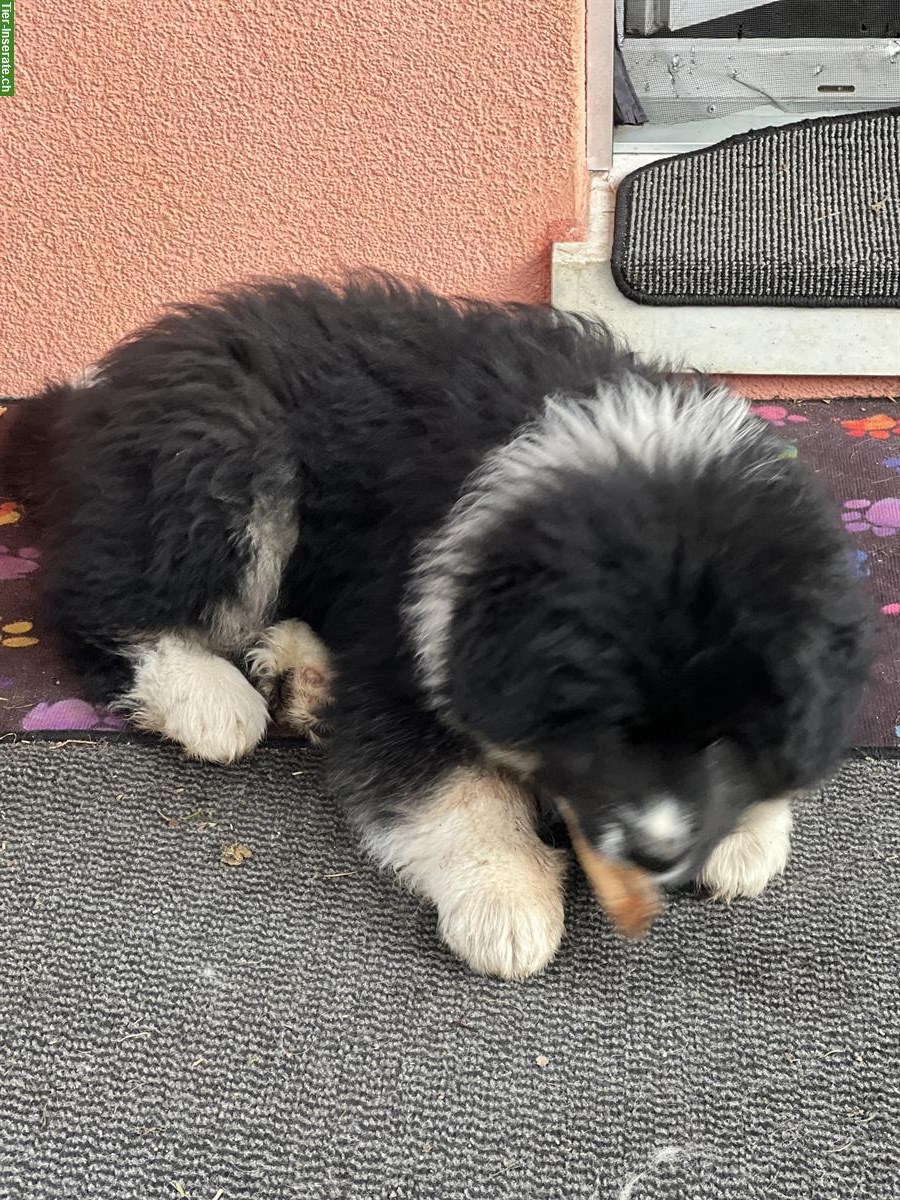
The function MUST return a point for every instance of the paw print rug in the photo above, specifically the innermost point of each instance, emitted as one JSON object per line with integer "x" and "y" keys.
{"x": 853, "y": 444}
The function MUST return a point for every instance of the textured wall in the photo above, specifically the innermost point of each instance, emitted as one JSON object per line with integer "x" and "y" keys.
{"x": 155, "y": 149}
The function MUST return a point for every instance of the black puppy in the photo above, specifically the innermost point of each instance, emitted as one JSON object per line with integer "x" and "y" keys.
{"x": 542, "y": 570}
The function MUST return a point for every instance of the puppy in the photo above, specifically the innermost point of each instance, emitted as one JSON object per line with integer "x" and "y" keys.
{"x": 542, "y": 571}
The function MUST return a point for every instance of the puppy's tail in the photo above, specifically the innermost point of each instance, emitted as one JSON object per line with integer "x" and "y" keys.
{"x": 29, "y": 436}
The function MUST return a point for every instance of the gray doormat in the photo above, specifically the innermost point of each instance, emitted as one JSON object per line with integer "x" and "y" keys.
{"x": 290, "y": 1029}
{"x": 806, "y": 214}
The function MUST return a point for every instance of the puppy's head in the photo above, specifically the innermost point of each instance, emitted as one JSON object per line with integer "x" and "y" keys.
{"x": 644, "y": 605}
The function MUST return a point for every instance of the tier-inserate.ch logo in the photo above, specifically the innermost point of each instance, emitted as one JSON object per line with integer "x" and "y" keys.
{"x": 7, "y": 47}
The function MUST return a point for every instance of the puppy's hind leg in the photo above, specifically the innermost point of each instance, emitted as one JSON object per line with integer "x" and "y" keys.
{"x": 192, "y": 695}
{"x": 473, "y": 850}
{"x": 292, "y": 668}
{"x": 185, "y": 692}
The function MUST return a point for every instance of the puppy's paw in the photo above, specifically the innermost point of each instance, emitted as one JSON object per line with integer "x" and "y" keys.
{"x": 510, "y": 921}
{"x": 196, "y": 699}
{"x": 221, "y": 734}
{"x": 744, "y": 862}
{"x": 292, "y": 668}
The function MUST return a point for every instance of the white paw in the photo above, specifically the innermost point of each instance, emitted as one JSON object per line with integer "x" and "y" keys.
{"x": 221, "y": 729}
{"x": 508, "y": 923}
{"x": 292, "y": 669}
{"x": 197, "y": 699}
{"x": 744, "y": 862}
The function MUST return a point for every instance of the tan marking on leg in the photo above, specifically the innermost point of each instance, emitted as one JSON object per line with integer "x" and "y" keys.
{"x": 291, "y": 653}
{"x": 474, "y": 852}
{"x": 524, "y": 763}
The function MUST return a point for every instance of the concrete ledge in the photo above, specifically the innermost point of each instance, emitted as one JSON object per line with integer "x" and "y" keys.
{"x": 740, "y": 341}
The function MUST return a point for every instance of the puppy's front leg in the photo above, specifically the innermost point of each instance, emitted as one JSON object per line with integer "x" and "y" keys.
{"x": 758, "y": 850}
{"x": 472, "y": 849}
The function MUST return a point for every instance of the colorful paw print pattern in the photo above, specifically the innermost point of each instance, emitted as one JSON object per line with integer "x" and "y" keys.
{"x": 10, "y": 513}
{"x": 874, "y": 514}
{"x": 776, "y": 414}
{"x": 70, "y": 714}
{"x": 16, "y": 564}
{"x": 879, "y": 426}
{"x": 16, "y": 635}
{"x": 881, "y": 517}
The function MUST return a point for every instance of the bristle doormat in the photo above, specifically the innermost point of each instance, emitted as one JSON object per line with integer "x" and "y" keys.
{"x": 854, "y": 445}
{"x": 806, "y": 214}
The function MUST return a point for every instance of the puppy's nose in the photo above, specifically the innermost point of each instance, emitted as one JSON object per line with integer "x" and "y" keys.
{"x": 657, "y": 836}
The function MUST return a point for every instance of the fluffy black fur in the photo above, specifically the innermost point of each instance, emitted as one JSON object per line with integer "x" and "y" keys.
{"x": 617, "y": 626}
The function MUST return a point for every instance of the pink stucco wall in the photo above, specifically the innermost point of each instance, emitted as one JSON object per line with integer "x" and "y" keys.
{"x": 155, "y": 149}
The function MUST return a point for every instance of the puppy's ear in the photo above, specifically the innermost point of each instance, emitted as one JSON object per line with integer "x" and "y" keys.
{"x": 516, "y": 672}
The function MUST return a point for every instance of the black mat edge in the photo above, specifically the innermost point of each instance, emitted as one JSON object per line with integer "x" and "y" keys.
{"x": 281, "y": 741}
{"x": 621, "y": 228}
{"x": 135, "y": 737}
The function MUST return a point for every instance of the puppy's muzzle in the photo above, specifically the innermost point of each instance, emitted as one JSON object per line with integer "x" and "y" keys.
{"x": 668, "y": 837}
{"x": 658, "y": 838}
